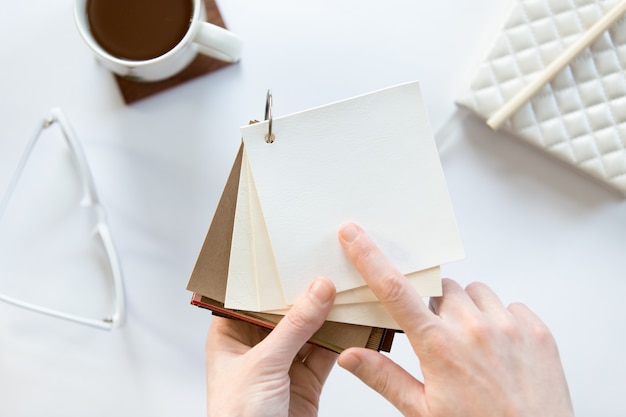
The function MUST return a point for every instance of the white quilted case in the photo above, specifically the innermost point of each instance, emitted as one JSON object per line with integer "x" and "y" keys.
{"x": 580, "y": 116}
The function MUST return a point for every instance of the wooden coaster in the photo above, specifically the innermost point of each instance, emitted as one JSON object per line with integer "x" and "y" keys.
{"x": 133, "y": 90}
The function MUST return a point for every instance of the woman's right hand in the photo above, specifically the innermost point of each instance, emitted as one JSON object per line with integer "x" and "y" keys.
{"x": 478, "y": 357}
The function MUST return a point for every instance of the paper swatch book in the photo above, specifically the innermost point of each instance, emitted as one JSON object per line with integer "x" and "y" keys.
{"x": 371, "y": 160}
{"x": 210, "y": 275}
{"x": 579, "y": 115}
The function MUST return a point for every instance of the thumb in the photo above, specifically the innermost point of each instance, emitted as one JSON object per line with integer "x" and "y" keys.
{"x": 304, "y": 318}
{"x": 387, "y": 378}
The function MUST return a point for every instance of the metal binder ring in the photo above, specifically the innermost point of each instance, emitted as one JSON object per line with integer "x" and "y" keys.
{"x": 269, "y": 137}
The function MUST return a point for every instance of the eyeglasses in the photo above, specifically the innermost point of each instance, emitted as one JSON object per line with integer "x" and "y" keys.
{"x": 88, "y": 201}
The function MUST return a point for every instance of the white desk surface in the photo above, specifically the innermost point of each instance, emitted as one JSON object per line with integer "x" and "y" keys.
{"x": 533, "y": 230}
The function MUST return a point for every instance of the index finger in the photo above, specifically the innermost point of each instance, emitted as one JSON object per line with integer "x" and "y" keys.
{"x": 392, "y": 288}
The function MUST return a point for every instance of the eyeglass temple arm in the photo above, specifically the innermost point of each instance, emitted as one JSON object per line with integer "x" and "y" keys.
{"x": 90, "y": 199}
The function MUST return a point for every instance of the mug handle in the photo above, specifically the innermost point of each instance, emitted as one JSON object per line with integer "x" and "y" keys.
{"x": 217, "y": 42}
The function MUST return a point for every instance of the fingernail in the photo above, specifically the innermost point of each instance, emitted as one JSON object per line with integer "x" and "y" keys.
{"x": 322, "y": 290}
{"x": 349, "y": 232}
{"x": 350, "y": 362}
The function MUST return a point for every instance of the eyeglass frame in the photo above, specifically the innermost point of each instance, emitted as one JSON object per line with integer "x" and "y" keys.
{"x": 90, "y": 201}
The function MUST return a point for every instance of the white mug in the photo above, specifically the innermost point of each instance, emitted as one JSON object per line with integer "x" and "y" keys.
{"x": 201, "y": 37}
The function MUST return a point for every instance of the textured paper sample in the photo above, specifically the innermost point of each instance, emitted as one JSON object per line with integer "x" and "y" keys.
{"x": 210, "y": 274}
{"x": 254, "y": 284}
{"x": 372, "y": 160}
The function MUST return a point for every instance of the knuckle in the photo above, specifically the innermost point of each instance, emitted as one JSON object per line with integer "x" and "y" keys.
{"x": 383, "y": 384}
{"x": 478, "y": 290}
{"x": 297, "y": 319}
{"x": 439, "y": 343}
{"x": 517, "y": 308}
{"x": 388, "y": 284}
{"x": 542, "y": 336}
{"x": 391, "y": 289}
{"x": 481, "y": 332}
{"x": 362, "y": 254}
{"x": 511, "y": 330}
{"x": 478, "y": 327}
{"x": 475, "y": 287}
{"x": 535, "y": 328}
{"x": 446, "y": 283}
{"x": 389, "y": 388}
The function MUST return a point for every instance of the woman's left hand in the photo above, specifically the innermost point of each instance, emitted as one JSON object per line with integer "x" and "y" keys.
{"x": 252, "y": 372}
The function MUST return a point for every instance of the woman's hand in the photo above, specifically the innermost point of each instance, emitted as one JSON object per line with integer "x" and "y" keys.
{"x": 478, "y": 358}
{"x": 254, "y": 373}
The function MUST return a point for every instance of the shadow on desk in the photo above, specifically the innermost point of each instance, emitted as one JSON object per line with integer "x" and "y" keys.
{"x": 521, "y": 164}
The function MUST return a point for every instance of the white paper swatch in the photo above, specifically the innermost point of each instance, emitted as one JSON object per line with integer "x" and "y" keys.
{"x": 371, "y": 159}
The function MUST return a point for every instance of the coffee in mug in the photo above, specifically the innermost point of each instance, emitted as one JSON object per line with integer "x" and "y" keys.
{"x": 149, "y": 40}
{"x": 139, "y": 29}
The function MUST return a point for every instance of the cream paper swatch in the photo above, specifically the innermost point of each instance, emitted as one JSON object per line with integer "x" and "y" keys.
{"x": 253, "y": 280}
{"x": 372, "y": 160}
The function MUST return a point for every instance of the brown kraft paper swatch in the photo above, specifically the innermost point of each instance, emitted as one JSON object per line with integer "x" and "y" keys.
{"x": 210, "y": 274}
